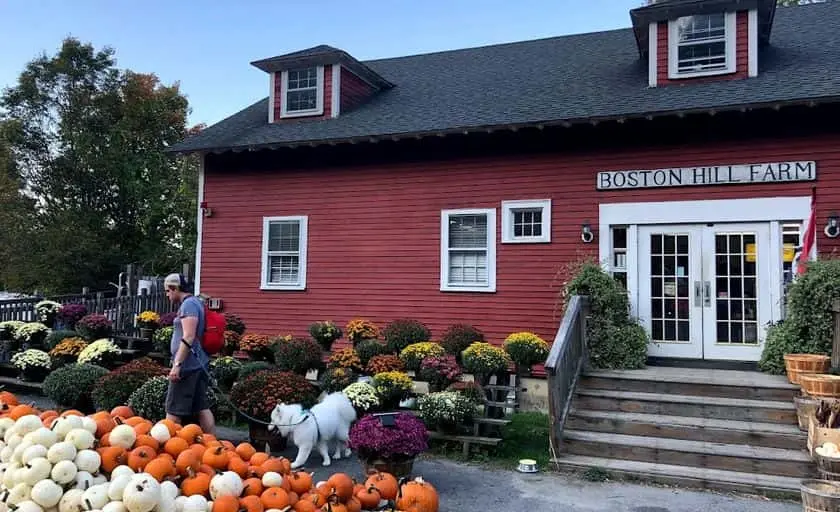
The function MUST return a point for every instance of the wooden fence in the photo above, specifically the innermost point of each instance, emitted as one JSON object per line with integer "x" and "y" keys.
{"x": 121, "y": 311}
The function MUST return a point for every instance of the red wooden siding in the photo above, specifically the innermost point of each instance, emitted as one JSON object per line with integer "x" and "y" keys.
{"x": 742, "y": 66}
{"x": 279, "y": 87}
{"x": 374, "y": 231}
{"x": 354, "y": 90}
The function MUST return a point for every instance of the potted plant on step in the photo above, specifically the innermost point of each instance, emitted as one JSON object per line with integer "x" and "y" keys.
{"x": 148, "y": 321}
{"x": 389, "y": 443}
{"x": 325, "y": 333}
{"x": 33, "y": 365}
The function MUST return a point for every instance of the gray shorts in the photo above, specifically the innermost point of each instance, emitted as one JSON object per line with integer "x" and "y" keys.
{"x": 188, "y": 396}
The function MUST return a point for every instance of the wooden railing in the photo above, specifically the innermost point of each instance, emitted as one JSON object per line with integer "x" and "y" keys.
{"x": 564, "y": 364}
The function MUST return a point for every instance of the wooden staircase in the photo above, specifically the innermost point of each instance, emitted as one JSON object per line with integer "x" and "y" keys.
{"x": 720, "y": 429}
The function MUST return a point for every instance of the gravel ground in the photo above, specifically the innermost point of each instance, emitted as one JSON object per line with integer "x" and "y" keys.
{"x": 469, "y": 487}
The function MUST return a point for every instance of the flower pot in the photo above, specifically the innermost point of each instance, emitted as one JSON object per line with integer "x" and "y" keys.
{"x": 144, "y": 346}
{"x": 34, "y": 374}
{"x": 398, "y": 467}
{"x": 797, "y": 365}
{"x": 259, "y": 435}
{"x": 147, "y": 333}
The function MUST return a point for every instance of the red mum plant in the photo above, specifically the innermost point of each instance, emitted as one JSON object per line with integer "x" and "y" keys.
{"x": 260, "y": 392}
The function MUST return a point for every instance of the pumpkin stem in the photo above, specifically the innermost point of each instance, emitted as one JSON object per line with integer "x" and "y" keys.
{"x": 139, "y": 487}
{"x": 89, "y": 506}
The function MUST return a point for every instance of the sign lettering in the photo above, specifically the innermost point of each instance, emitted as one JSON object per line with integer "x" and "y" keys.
{"x": 776, "y": 172}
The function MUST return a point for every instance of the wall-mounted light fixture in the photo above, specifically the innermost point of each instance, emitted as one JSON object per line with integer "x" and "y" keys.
{"x": 586, "y": 234}
{"x": 832, "y": 227}
{"x": 206, "y": 210}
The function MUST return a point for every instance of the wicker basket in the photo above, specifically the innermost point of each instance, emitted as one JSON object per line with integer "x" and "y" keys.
{"x": 821, "y": 385}
{"x": 828, "y": 467}
{"x": 820, "y": 496}
{"x": 797, "y": 365}
{"x": 805, "y": 409}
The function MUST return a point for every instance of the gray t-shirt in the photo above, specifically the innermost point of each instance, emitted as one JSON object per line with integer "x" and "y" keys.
{"x": 198, "y": 358}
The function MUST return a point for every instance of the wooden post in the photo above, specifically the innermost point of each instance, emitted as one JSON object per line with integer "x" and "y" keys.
{"x": 835, "y": 346}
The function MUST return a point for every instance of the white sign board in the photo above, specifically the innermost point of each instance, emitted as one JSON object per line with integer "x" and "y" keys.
{"x": 776, "y": 172}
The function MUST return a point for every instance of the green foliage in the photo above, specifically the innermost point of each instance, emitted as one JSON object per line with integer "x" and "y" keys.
{"x": 615, "y": 340}
{"x": 87, "y": 139}
{"x": 71, "y": 385}
{"x": 149, "y": 399}
{"x": 809, "y": 327}
{"x": 367, "y": 349}
{"x": 525, "y": 437}
{"x": 403, "y": 332}
{"x": 56, "y": 337}
{"x": 225, "y": 370}
{"x": 116, "y": 387}
{"x": 253, "y": 367}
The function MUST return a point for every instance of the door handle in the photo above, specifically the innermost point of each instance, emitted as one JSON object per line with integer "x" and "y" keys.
{"x": 707, "y": 293}
{"x": 698, "y": 294}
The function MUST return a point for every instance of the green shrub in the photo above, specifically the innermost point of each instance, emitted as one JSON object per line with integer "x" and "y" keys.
{"x": 297, "y": 355}
{"x": 225, "y": 370}
{"x": 55, "y": 337}
{"x": 615, "y": 340}
{"x": 162, "y": 339}
{"x": 367, "y": 349}
{"x": 458, "y": 337}
{"x": 403, "y": 332}
{"x": 809, "y": 327}
{"x": 253, "y": 367}
{"x": 71, "y": 385}
{"x": 116, "y": 387}
{"x": 149, "y": 399}
{"x": 526, "y": 437}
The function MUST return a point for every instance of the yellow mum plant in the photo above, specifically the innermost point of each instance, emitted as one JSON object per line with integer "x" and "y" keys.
{"x": 148, "y": 319}
{"x": 483, "y": 359}
{"x": 526, "y": 349}
{"x": 360, "y": 329}
{"x": 414, "y": 354}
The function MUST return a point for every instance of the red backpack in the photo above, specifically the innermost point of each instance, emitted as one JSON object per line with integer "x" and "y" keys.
{"x": 214, "y": 331}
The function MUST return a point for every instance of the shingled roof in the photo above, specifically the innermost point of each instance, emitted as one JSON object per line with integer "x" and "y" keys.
{"x": 565, "y": 79}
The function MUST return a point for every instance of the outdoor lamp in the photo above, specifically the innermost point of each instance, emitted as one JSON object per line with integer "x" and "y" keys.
{"x": 832, "y": 227}
{"x": 586, "y": 234}
{"x": 206, "y": 209}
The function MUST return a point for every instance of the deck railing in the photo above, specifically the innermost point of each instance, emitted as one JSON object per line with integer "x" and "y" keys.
{"x": 564, "y": 365}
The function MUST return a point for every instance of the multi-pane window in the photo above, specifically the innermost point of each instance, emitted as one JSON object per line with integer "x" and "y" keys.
{"x": 302, "y": 90}
{"x": 526, "y": 221}
{"x": 791, "y": 241}
{"x": 468, "y": 257}
{"x": 618, "y": 265}
{"x": 284, "y": 253}
{"x": 701, "y": 44}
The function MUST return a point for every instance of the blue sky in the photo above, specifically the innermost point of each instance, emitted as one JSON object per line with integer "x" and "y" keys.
{"x": 207, "y": 46}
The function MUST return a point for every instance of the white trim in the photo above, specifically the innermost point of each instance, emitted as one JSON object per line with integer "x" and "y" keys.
{"x": 491, "y": 250}
{"x": 673, "y": 53}
{"x": 317, "y": 111}
{"x": 302, "y": 246}
{"x": 653, "y": 43}
{"x": 752, "y": 37}
{"x": 335, "y": 104}
{"x": 199, "y": 224}
{"x": 507, "y": 221}
{"x": 272, "y": 85}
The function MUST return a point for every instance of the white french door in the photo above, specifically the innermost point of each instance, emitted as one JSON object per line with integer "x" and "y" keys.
{"x": 704, "y": 289}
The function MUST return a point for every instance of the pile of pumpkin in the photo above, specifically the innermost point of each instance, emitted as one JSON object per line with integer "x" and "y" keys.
{"x": 119, "y": 462}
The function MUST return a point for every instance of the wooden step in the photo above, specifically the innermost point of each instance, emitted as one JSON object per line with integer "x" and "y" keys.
{"x": 491, "y": 421}
{"x": 686, "y": 476}
{"x": 771, "y": 435}
{"x": 762, "y": 411}
{"x": 694, "y": 382}
{"x": 16, "y": 385}
{"x": 698, "y": 454}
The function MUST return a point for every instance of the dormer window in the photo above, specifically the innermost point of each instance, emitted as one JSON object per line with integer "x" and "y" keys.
{"x": 303, "y": 92}
{"x": 701, "y": 45}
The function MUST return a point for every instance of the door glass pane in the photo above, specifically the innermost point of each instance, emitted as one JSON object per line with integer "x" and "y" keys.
{"x": 736, "y": 256}
{"x": 670, "y": 293}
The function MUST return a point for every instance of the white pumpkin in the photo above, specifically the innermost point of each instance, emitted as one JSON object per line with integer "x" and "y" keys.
{"x": 63, "y": 450}
{"x": 63, "y": 472}
{"x": 117, "y": 486}
{"x": 36, "y": 470}
{"x": 28, "y": 423}
{"x": 51, "y": 509}
{"x": 18, "y": 494}
{"x": 43, "y": 436}
{"x": 89, "y": 424}
{"x": 225, "y": 484}
{"x": 169, "y": 489}
{"x": 179, "y": 503}
{"x": 28, "y": 506}
{"x": 62, "y": 426}
{"x": 81, "y": 439}
{"x": 272, "y": 479}
{"x": 96, "y": 497}
{"x": 195, "y": 503}
{"x": 160, "y": 432}
{"x": 84, "y": 480}
{"x": 24, "y": 445}
{"x": 114, "y": 506}
{"x": 46, "y": 493}
{"x": 210, "y": 506}
{"x": 10, "y": 476}
{"x": 6, "y": 453}
{"x": 6, "y": 424}
{"x": 34, "y": 452}
{"x": 88, "y": 460}
{"x": 99, "y": 479}
{"x": 71, "y": 501}
{"x": 142, "y": 494}
{"x": 123, "y": 436}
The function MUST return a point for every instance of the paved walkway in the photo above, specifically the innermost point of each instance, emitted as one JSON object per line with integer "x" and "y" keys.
{"x": 469, "y": 487}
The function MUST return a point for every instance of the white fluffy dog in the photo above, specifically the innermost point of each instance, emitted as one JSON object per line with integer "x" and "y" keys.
{"x": 328, "y": 421}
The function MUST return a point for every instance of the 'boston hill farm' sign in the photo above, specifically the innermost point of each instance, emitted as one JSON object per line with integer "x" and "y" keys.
{"x": 776, "y": 172}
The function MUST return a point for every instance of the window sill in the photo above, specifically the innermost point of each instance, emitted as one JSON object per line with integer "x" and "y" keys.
{"x": 471, "y": 289}
{"x": 700, "y": 74}
{"x": 527, "y": 240}
{"x": 282, "y": 287}
{"x": 302, "y": 113}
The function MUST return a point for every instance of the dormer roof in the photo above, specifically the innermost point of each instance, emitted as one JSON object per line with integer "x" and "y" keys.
{"x": 322, "y": 55}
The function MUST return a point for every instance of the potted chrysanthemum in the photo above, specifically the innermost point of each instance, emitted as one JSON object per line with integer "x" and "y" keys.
{"x": 33, "y": 364}
{"x": 389, "y": 443}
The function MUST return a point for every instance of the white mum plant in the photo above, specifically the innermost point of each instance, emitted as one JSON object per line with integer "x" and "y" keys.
{"x": 99, "y": 352}
{"x": 45, "y": 308}
{"x": 362, "y": 395}
{"x": 31, "y": 358}
{"x": 32, "y": 332}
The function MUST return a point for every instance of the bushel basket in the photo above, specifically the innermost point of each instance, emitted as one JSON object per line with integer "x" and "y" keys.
{"x": 820, "y": 496}
{"x": 820, "y": 384}
{"x": 797, "y": 365}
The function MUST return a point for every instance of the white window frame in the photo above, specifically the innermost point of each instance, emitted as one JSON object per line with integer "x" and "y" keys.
{"x": 318, "y": 110}
{"x": 445, "y": 286}
{"x": 303, "y": 221}
{"x": 730, "y": 24}
{"x": 508, "y": 209}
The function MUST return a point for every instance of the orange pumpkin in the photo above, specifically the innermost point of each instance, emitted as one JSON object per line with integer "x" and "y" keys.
{"x": 190, "y": 433}
{"x": 147, "y": 440}
{"x": 275, "y": 497}
{"x": 300, "y": 482}
{"x": 217, "y": 457}
{"x": 196, "y": 483}
{"x": 186, "y": 462}
{"x": 160, "y": 468}
{"x": 49, "y": 413}
{"x": 252, "y": 487}
{"x": 305, "y": 506}
{"x": 204, "y": 468}
{"x": 112, "y": 456}
{"x": 293, "y": 498}
{"x": 251, "y": 504}
{"x": 238, "y": 466}
{"x": 335, "y": 505}
{"x": 245, "y": 450}
{"x": 8, "y": 400}
{"x": 341, "y": 485}
{"x": 171, "y": 425}
{"x": 139, "y": 457}
{"x": 354, "y": 505}
{"x": 72, "y": 412}
{"x": 419, "y": 496}
{"x": 143, "y": 428}
{"x": 175, "y": 446}
{"x": 20, "y": 410}
{"x": 258, "y": 458}
{"x": 104, "y": 425}
{"x": 385, "y": 483}
{"x": 105, "y": 440}
{"x": 369, "y": 498}
{"x": 226, "y": 504}
{"x": 122, "y": 411}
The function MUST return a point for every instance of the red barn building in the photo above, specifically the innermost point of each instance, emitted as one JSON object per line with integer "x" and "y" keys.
{"x": 454, "y": 186}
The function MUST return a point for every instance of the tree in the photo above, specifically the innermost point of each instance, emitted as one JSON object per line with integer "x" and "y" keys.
{"x": 88, "y": 141}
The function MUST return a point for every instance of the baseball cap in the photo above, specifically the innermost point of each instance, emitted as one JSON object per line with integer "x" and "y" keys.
{"x": 173, "y": 280}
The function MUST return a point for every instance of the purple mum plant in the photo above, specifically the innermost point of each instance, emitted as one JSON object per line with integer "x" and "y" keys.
{"x": 406, "y": 439}
{"x": 70, "y": 314}
{"x": 440, "y": 371}
{"x": 167, "y": 319}
{"x": 94, "y": 327}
